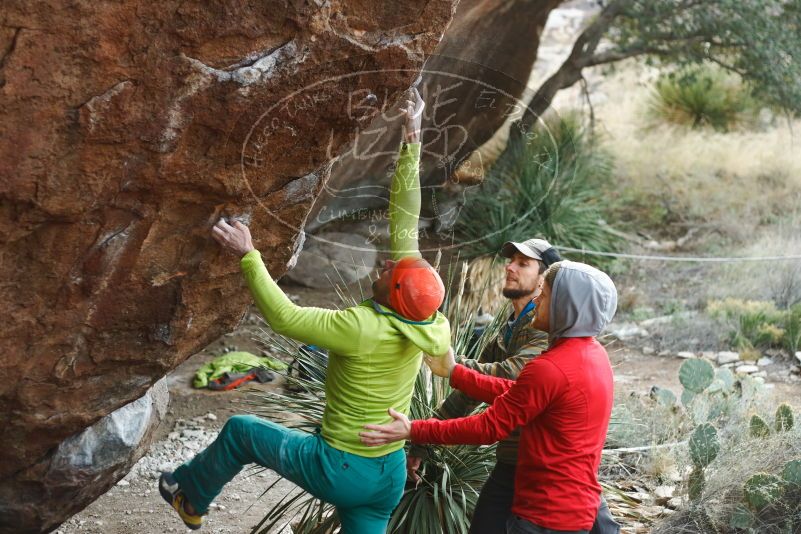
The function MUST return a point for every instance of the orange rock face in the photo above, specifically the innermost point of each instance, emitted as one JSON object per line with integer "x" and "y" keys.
{"x": 128, "y": 128}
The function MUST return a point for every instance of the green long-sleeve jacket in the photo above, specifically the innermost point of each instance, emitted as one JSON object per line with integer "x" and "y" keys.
{"x": 501, "y": 359}
{"x": 374, "y": 354}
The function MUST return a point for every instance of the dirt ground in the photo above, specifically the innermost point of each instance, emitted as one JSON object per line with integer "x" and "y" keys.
{"x": 134, "y": 504}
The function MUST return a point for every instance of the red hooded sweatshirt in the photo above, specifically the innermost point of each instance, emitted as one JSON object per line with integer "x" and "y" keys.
{"x": 562, "y": 400}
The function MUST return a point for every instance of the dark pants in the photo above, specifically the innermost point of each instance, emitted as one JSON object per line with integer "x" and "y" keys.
{"x": 494, "y": 507}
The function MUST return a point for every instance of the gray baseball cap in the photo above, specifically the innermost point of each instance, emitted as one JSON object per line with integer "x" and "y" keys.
{"x": 538, "y": 249}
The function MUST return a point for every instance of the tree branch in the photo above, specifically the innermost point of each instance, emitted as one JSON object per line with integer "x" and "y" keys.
{"x": 570, "y": 71}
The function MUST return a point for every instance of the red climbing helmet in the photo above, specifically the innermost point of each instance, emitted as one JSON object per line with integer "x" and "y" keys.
{"x": 416, "y": 291}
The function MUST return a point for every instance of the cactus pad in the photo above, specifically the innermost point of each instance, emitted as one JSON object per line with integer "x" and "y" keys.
{"x": 784, "y": 417}
{"x": 663, "y": 396}
{"x": 696, "y": 375}
{"x": 727, "y": 377}
{"x": 716, "y": 386}
{"x": 763, "y": 489}
{"x": 758, "y": 428}
{"x": 696, "y": 483}
{"x": 792, "y": 472}
{"x": 704, "y": 445}
{"x": 741, "y": 518}
{"x": 687, "y": 397}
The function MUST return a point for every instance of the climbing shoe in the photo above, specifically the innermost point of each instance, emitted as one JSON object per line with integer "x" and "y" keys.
{"x": 171, "y": 492}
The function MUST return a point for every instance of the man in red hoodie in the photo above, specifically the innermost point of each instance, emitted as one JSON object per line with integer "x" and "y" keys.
{"x": 562, "y": 400}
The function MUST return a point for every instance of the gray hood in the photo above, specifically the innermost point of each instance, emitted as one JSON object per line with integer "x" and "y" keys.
{"x": 583, "y": 301}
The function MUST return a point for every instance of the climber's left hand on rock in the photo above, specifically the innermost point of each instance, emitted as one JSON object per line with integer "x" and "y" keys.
{"x": 234, "y": 237}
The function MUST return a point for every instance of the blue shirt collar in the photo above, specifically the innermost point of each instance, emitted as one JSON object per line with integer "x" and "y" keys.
{"x": 512, "y": 323}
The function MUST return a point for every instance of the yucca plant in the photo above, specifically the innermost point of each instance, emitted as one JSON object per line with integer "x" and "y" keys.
{"x": 792, "y": 329}
{"x": 702, "y": 97}
{"x": 551, "y": 184}
{"x": 451, "y": 476}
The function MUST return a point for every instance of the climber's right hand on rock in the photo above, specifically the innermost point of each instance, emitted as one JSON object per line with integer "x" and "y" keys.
{"x": 412, "y": 110}
{"x": 233, "y": 237}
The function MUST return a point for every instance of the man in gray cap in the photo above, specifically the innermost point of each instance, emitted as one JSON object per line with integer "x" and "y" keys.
{"x": 516, "y": 344}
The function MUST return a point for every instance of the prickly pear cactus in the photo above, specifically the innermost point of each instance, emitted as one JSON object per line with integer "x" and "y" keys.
{"x": 742, "y": 518}
{"x": 696, "y": 375}
{"x": 704, "y": 445}
{"x": 696, "y": 483}
{"x": 727, "y": 378}
{"x": 758, "y": 428}
{"x": 784, "y": 417}
{"x": 663, "y": 396}
{"x": 763, "y": 489}
{"x": 717, "y": 386}
{"x": 792, "y": 472}
{"x": 687, "y": 397}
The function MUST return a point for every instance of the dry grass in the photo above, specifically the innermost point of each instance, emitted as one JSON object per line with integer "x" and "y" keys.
{"x": 733, "y": 181}
{"x": 778, "y": 281}
{"x": 485, "y": 279}
{"x": 740, "y": 457}
{"x": 736, "y": 181}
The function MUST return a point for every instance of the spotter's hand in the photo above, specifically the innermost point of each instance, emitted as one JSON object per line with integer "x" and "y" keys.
{"x": 398, "y": 430}
{"x": 441, "y": 365}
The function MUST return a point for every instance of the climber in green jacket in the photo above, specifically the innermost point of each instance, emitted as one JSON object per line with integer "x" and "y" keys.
{"x": 375, "y": 352}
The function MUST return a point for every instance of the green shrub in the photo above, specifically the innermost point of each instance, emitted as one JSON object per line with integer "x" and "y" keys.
{"x": 702, "y": 97}
{"x": 552, "y": 184}
{"x": 759, "y": 324}
{"x": 792, "y": 329}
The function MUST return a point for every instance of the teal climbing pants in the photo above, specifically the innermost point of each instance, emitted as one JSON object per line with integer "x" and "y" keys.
{"x": 364, "y": 490}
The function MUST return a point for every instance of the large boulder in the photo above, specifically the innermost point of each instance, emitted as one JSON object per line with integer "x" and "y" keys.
{"x": 472, "y": 84}
{"x": 128, "y": 129}
{"x": 333, "y": 258}
{"x": 90, "y": 461}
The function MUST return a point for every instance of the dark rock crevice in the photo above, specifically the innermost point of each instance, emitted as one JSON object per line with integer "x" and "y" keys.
{"x": 9, "y": 49}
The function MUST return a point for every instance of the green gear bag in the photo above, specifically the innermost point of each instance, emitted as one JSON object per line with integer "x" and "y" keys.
{"x": 233, "y": 362}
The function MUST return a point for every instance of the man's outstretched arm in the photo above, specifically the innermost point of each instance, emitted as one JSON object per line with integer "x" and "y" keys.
{"x": 459, "y": 404}
{"x": 538, "y": 385}
{"x": 483, "y": 388}
{"x": 404, "y": 193}
{"x": 335, "y": 330}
